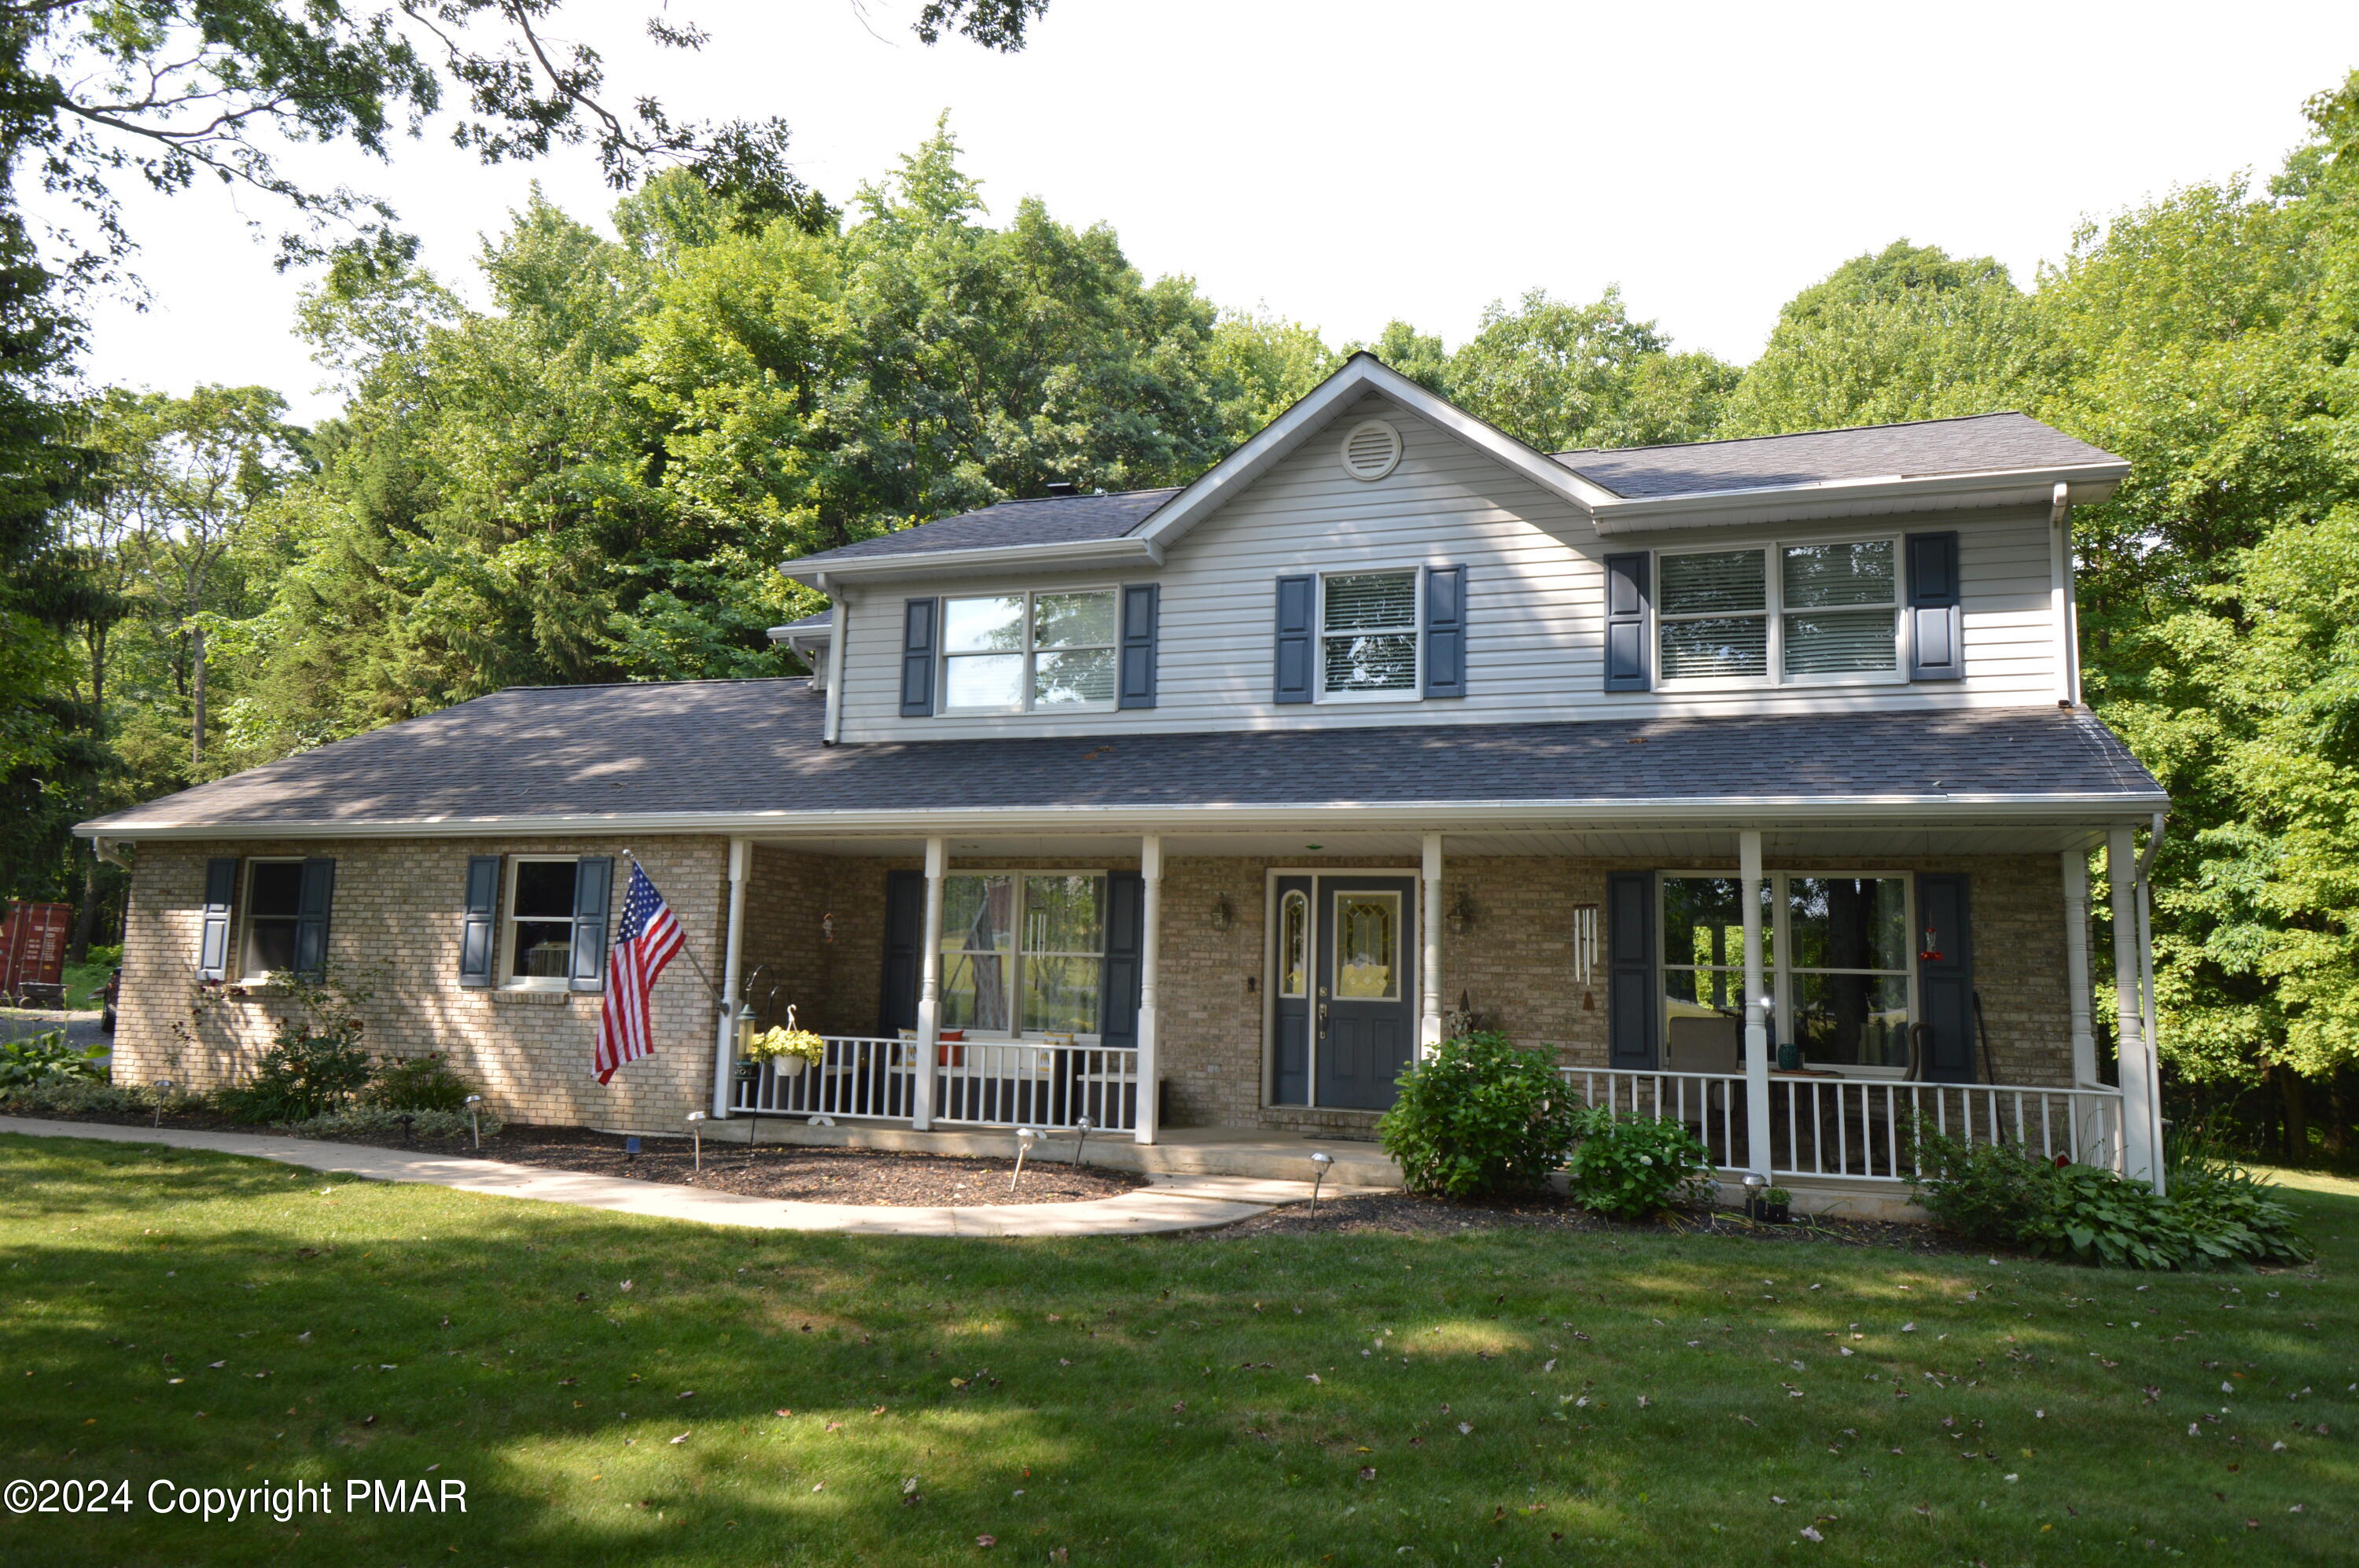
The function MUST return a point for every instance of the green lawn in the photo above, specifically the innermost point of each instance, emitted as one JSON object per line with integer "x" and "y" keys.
{"x": 1523, "y": 1398}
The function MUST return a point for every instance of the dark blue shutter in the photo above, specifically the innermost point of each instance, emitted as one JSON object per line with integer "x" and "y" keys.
{"x": 1936, "y": 629}
{"x": 920, "y": 623}
{"x": 1298, "y": 599}
{"x": 476, "y": 947}
{"x": 593, "y": 880}
{"x": 1632, "y": 989}
{"x": 1139, "y": 609}
{"x": 1627, "y": 666}
{"x": 220, "y": 894}
{"x": 1945, "y": 977}
{"x": 1445, "y": 631}
{"x": 317, "y": 892}
{"x": 1118, "y": 997}
{"x": 905, "y": 951}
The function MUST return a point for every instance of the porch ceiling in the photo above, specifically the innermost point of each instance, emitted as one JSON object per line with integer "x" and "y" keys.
{"x": 1667, "y": 841}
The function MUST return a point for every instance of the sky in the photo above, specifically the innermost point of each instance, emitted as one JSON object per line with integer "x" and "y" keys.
{"x": 1346, "y": 164}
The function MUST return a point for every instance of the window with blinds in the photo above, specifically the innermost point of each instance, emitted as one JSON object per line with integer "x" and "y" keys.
{"x": 1715, "y": 614}
{"x": 1367, "y": 634}
{"x": 1774, "y": 614}
{"x": 1842, "y": 608}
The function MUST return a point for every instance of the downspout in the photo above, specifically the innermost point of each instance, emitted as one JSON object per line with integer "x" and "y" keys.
{"x": 110, "y": 850}
{"x": 2068, "y": 611}
{"x": 2146, "y": 981}
{"x": 831, "y": 728}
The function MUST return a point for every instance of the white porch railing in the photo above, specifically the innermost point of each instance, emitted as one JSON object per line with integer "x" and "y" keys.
{"x": 977, "y": 1083}
{"x": 1862, "y": 1128}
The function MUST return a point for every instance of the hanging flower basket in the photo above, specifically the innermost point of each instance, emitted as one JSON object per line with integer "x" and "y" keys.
{"x": 790, "y": 1051}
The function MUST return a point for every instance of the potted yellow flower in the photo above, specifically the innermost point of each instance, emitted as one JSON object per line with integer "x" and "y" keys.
{"x": 790, "y": 1049}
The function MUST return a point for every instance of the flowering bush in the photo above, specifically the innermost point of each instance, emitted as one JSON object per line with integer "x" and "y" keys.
{"x": 1629, "y": 1166}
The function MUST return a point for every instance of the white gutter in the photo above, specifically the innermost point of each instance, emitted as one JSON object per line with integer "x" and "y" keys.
{"x": 2088, "y": 482}
{"x": 1339, "y": 815}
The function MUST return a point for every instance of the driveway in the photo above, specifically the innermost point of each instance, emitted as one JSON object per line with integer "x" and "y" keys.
{"x": 21, "y": 1023}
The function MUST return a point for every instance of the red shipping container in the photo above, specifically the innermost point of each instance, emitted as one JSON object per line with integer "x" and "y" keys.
{"x": 33, "y": 945}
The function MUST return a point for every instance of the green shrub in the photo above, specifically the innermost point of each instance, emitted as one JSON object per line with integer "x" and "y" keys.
{"x": 417, "y": 1083}
{"x": 41, "y": 1058}
{"x": 307, "y": 1071}
{"x": 1631, "y": 1167}
{"x": 382, "y": 1121}
{"x": 2215, "y": 1215}
{"x": 1479, "y": 1116}
{"x": 76, "y": 1097}
{"x": 106, "y": 955}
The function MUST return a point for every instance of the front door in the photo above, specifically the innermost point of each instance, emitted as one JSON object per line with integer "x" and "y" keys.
{"x": 1362, "y": 1012}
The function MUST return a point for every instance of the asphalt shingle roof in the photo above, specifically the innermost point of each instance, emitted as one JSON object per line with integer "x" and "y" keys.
{"x": 1051, "y": 519}
{"x": 1981, "y": 443}
{"x": 733, "y": 746}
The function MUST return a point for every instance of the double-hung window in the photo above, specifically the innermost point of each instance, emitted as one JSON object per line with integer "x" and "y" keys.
{"x": 1780, "y": 614}
{"x": 1367, "y": 634}
{"x": 1023, "y": 951}
{"x": 1012, "y": 653}
{"x": 539, "y": 937}
{"x": 273, "y": 898}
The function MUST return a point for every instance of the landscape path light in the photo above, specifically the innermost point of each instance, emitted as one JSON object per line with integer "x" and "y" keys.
{"x": 1320, "y": 1163}
{"x": 163, "y": 1087}
{"x": 1081, "y": 1142}
{"x": 696, "y": 1132}
{"x": 1025, "y": 1139}
{"x": 1755, "y": 1184}
{"x": 475, "y": 1128}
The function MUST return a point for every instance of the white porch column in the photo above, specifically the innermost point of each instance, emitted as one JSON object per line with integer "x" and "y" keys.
{"x": 724, "y": 1048}
{"x": 2141, "y": 1088}
{"x": 1150, "y": 953}
{"x": 929, "y": 992}
{"x": 1429, "y": 1022}
{"x": 1756, "y": 1020}
{"x": 2076, "y": 964}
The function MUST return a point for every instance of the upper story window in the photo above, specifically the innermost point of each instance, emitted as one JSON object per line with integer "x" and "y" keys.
{"x": 1367, "y": 634}
{"x": 1777, "y": 613}
{"x": 1013, "y": 653}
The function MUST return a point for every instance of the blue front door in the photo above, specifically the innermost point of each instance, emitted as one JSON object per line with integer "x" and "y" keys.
{"x": 1362, "y": 1010}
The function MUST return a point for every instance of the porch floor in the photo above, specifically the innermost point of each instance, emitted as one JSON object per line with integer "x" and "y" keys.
{"x": 1260, "y": 1153}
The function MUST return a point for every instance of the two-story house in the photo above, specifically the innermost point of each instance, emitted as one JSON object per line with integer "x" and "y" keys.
{"x": 1749, "y": 778}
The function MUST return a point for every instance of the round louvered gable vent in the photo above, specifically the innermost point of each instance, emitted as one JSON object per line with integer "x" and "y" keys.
{"x": 1372, "y": 450}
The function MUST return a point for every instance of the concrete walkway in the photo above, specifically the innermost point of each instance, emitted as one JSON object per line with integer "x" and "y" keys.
{"x": 1170, "y": 1202}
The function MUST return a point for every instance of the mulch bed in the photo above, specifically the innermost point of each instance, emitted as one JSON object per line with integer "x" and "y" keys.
{"x": 1407, "y": 1214}
{"x": 879, "y": 1177}
{"x": 872, "y": 1177}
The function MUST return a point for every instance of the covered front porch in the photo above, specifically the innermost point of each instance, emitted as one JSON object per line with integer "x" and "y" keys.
{"x": 1255, "y": 990}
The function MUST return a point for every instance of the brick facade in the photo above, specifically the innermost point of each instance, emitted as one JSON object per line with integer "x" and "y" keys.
{"x": 398, "y": 905}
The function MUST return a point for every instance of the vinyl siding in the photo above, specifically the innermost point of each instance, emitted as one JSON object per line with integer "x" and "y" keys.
{"x": 1534, "y": 603}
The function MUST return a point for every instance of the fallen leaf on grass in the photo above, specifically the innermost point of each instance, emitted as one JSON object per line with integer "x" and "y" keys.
{"x": 986, "y": 1542}
{"x": 1811, "y": 1534}
{"x": 680, "y": 1438}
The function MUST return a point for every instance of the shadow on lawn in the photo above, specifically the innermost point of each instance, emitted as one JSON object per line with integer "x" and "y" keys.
{"x": 1150, "y": 1397}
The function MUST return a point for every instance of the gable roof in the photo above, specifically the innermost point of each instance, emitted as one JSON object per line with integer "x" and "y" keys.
{"x": 1983, "y": 460}
{"x": 1047, "y": 519}
{"x": 641, "y": 757}
{"x": 1979, "y": 443}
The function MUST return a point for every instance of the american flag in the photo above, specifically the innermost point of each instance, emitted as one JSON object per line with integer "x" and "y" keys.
{"x": 645, "y": 943}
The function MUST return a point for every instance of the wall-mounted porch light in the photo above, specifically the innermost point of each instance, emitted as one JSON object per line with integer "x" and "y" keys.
{"x": 827, "y": 927}
{"x": 1223, "y": 917}
{"x": 1461, "y": 917}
